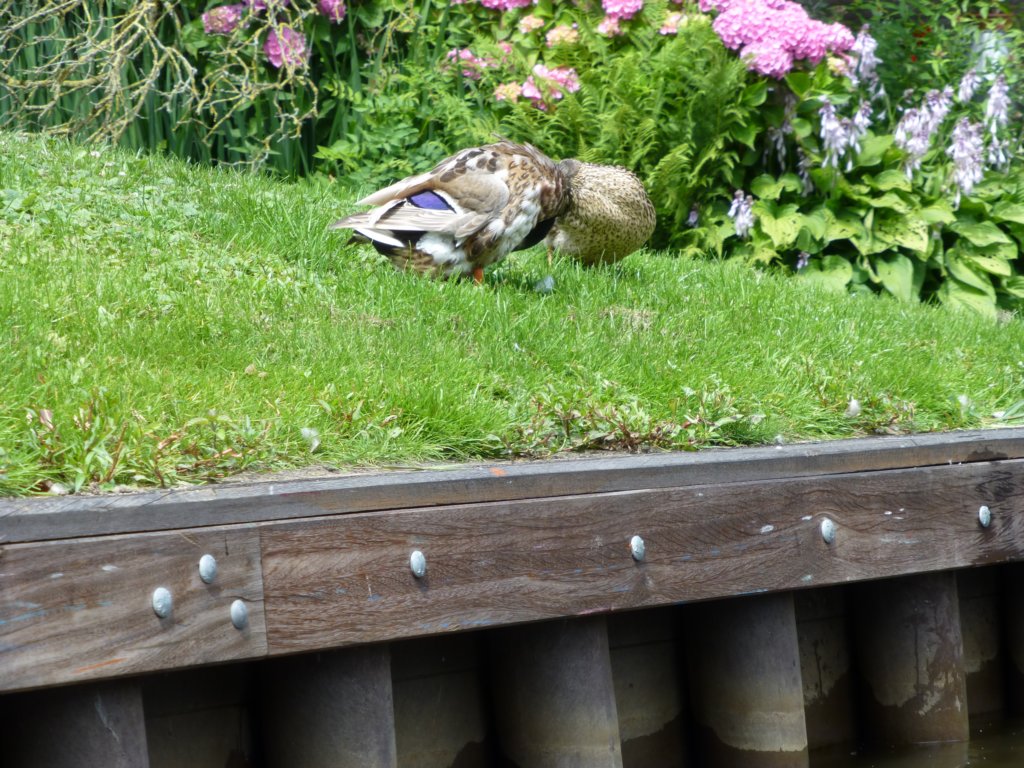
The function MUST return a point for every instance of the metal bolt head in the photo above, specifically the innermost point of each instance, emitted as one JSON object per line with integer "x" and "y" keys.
{"x": 239, "y": 614}
{"x": 828, "y": 531}
{"x": 208, "y": 568}
{"x": 163, "y": 603}
{"x": 418, "y": 564}
{"x": 985, "y": 516}
{"x": 637, "y": 548}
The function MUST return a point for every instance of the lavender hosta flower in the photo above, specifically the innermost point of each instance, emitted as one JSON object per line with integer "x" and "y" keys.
{"x": 334, "y": 10}
{"x": 865, "y": 61}
{"x": 914, "y": 136}
{"x": 776, "y": 140}
{"x": 803, "y": 170}
{"x": 966, "y": 147}
{"x": 530, "y": 23}
{"x": 802, "y": 260}
{"x": 694, "y": 218}
{"x": 834, "y": 134}
{"x": 998, "y": 153}
{"x": 997, "y": 108}
{"x": 938, "y": 104}
{"x": 222, "y": 20}
{"x": 563, "y": 34}
{"x": 742, "y": 213}
{"x": 968, "y": 86}
{"x": 287, "y": 49}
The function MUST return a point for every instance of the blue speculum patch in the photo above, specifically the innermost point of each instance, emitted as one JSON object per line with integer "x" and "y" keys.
{"x": 430, "y": 200}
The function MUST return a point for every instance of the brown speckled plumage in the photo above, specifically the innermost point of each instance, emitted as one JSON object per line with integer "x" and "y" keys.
{"x": 608, "y": 217}
{"x": 466, "y": 213}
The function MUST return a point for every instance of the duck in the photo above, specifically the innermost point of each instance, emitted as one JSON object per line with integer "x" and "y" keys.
{"x": 469, "y": 212}
{"x": 608, "y": 217}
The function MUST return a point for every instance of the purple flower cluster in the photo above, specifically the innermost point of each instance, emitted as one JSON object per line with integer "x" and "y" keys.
{"x": 771, "y": 35}
{"x": 222, "y": 20}
{"x": 287, "y": 49}
{"x": 334, "y": 10}
{"x": 617, "y": 11}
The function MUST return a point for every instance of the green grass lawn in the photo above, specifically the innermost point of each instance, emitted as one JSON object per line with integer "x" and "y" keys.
{"x": 162, "y": 323}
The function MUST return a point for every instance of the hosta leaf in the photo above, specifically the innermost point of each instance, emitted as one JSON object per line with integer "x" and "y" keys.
{"x": 956, "y": 294}
{"x": 910, "y": 232}
{"x": 968, "y": 274}
{"x": 1014, "y": 286}
{"x": 896, "y": 273}
{"x": 991, "y": 264}
{"x": 939, "y": 212}
{"x": 833, "y": 272}
{"x": 767, "y": 187}
{"x": 845, "y": 226}
{"x": 781, "y": 224}
{"x": 1007, "y": 211}
{"x": 889, "y": 179}
{"x": 873, "y": 148}
{"x": 980, "y": 233}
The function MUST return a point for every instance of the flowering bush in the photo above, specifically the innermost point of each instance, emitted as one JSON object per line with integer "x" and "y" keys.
{"x": 923, "y": 202}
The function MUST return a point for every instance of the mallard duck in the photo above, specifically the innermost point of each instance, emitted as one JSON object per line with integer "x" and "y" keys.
{"x": 470, "y": 211}
{"x": 608, "y": 217}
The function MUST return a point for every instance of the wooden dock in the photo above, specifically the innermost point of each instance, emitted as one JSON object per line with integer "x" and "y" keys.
{"x": 565, "y": 613}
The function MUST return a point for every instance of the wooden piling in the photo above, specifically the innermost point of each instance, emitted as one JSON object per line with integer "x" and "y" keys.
{"x": 909, "y": 654}
{"x": 648, "y": 681}
{"x": 554, "y": 699}
{"x": 981, "y": 628}
{"x": 1012, "y": 577}
{"x": 201, "y": 718}
{"x": 822, "y": 632}
{"x": 440, "y": 703}
{"x": 745, "y": 687}
{"x": 99, "y": 724}
{"x": 330, "y": 710}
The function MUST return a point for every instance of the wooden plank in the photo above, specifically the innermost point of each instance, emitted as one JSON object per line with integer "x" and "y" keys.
{"x": 38, "y": 519}
{"x": 82, "y": 609}
{"x": 346, "y": 579}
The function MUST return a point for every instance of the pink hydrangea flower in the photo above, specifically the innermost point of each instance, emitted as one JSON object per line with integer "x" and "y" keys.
{"x": 471, "y": 64}
{"x": 671, "y": 24}
{"x": 288, "y": 49}
{"x": 546, "y": 86}
{"x": 529, "y": 23}
{"x": 222, "y": 20}
{"x": 508, "y": 92}
{"x": 622, "y": 9}
{"x": 563, "y": 34}
{"x": 332, "y": 9}
{"x": 505, "y": 5}
{"x": 609, "y": 27}
{"x": 774, "y": 34}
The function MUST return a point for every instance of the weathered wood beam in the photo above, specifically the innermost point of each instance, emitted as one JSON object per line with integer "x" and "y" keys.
{"x": 38, "y": 519}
